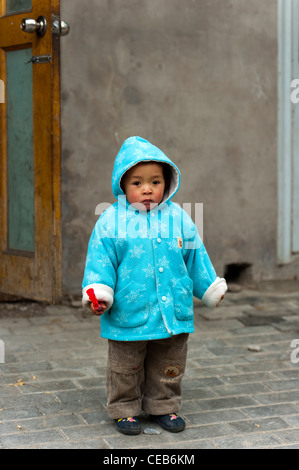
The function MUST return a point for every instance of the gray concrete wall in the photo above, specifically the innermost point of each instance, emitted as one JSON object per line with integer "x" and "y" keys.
{"x": 198, "y": 78}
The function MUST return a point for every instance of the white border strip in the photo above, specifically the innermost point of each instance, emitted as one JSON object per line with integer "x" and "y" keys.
{"x": 284, "y": 234}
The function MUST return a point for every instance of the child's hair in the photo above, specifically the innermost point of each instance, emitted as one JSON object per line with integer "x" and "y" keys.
{"x": 166, "y": 173}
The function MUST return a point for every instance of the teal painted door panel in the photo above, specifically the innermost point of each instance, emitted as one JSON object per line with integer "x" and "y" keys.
{"x": 13, "y": 6}
{"x": 20, "y": 175}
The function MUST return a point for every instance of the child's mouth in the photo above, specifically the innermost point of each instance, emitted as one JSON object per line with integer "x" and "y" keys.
{"x": 147, "y": 201}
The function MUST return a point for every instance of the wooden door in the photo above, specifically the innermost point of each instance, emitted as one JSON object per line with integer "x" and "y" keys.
{"x": 30, "y": 251}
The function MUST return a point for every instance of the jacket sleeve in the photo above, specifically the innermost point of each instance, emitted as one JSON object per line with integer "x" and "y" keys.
{"x": 207, "y": 286}
{"x": 100, "y": 266}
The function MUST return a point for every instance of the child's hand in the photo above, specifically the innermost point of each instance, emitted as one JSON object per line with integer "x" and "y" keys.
{"x": 98, "y": 312}
{"x": 96, "y": 306}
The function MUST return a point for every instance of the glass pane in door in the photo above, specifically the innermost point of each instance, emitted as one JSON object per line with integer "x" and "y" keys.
{"x": 20, "y": 181}
{"x": 13, "y": 6}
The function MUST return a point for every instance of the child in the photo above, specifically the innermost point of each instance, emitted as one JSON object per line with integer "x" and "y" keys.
{"x": 145, "y": 262}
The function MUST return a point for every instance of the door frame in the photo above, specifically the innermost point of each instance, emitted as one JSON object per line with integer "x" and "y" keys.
{"x": 56, "y": 160}
{"x": 288, "y": 14}
{"x": 50, "y": 142}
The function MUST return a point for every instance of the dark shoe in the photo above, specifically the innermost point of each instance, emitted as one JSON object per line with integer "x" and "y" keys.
{"x": 130, "y": 426}
{"x": 171, "y": 422}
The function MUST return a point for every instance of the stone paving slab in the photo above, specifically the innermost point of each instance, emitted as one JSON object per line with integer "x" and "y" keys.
{"x": 240, "y": 389}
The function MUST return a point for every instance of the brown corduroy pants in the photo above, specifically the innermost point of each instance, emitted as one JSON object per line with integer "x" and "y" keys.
{"x": 145, "y": 376}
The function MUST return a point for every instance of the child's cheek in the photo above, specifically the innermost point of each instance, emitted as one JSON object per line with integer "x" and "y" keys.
{"x": 133, "y": 196}
{"x": 160, "y": 195}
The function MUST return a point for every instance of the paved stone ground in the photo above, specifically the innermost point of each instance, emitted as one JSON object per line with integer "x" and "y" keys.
{"x": 240, "y": 389}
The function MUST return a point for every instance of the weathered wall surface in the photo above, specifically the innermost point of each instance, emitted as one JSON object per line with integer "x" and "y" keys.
{"x": 198, "y": 78}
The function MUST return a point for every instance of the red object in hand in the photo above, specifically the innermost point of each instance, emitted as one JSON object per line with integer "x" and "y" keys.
{"x": 94, "y": 300}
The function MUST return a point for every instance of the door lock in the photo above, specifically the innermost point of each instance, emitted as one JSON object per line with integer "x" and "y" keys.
{"x": 29, "y": 25}
{"x": 59, "y": 26}
{"x": 39, "y": 59}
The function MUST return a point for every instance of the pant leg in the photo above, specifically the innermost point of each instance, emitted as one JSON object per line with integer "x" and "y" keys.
{"x": 165, "y": 365}
{"x": 125, "y": 378}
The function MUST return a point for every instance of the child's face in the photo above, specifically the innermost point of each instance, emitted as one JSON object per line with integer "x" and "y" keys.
{"x": 144, "y": 183}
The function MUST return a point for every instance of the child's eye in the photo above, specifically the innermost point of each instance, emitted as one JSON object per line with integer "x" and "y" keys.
{"x": 156, "y": 182}
{"x": 136, "y": 183}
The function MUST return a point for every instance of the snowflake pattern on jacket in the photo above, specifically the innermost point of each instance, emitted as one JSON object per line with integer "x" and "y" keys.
{"x": 147, "y": 265}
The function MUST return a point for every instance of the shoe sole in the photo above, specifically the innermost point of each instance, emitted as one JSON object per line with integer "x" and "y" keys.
{"x": 169, "y": 429}
{"x": 128, "y": 432}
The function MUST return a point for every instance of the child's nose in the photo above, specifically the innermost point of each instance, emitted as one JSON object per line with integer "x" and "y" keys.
{"x": 146, "y": 188}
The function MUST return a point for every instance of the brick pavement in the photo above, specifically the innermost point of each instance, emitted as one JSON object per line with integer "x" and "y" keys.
{"x": 240, "y": 389}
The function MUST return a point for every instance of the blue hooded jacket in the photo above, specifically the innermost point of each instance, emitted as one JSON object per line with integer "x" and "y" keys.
{"x": 147, "y": 265}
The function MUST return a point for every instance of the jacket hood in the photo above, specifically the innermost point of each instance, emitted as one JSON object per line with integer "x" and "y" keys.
{"x": 136, "y": 150}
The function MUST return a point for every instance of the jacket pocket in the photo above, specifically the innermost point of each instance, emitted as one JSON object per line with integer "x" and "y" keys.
{"x": 183, "y": 299}
{"x": 129, "y": 309}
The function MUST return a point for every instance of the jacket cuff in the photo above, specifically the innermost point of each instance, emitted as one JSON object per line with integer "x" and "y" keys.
{"x": 102, "y": 292}
{"x": 213, "y": 294}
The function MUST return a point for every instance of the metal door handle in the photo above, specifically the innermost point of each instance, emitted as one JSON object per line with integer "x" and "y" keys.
{"x": 29, "y": 25}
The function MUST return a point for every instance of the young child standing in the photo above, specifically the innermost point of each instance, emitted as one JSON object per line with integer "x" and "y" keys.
{"x": 145, "y": 261}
